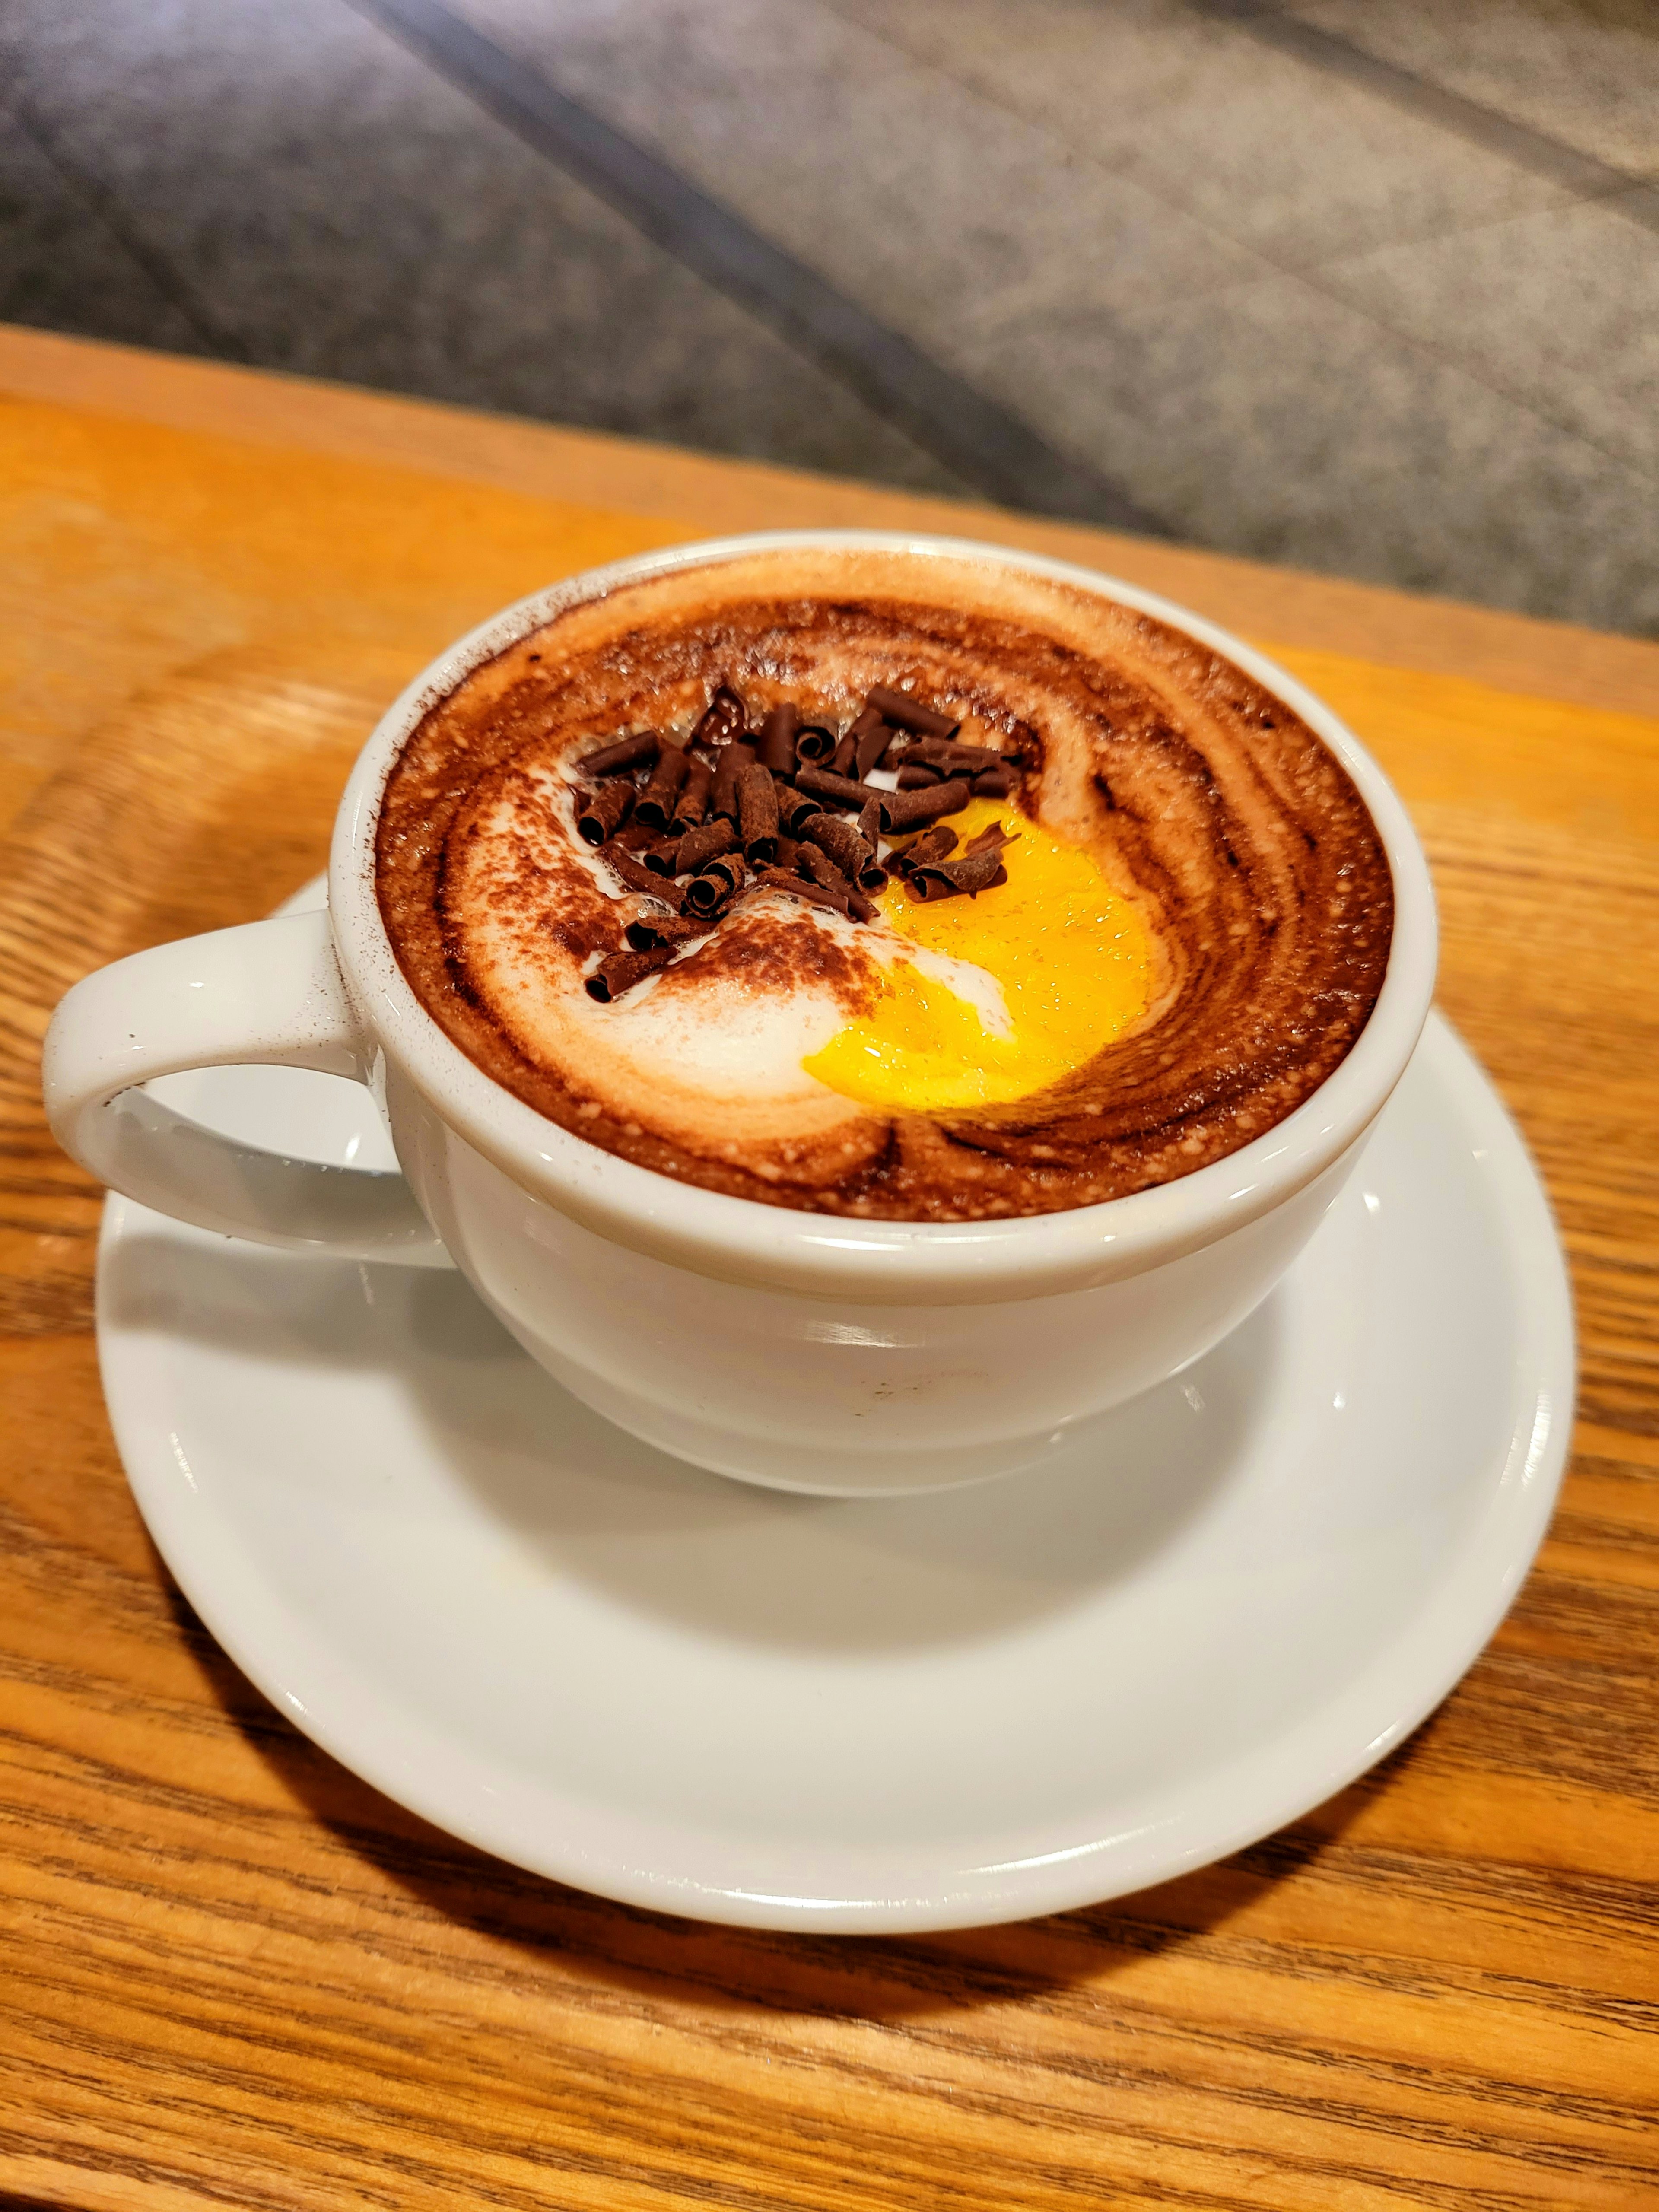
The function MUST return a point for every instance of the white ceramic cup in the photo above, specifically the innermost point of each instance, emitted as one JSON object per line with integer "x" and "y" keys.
{"x": 803, "y": 1350}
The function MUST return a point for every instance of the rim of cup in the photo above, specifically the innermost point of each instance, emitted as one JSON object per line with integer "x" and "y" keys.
{"x": 852, "y": 1256}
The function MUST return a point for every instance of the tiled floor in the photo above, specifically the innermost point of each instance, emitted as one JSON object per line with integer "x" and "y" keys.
{"x": 1585, "y": 72}
{"x": 1365, "y": 285}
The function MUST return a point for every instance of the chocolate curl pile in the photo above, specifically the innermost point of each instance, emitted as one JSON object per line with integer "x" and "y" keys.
{"x": 729, "y": 809}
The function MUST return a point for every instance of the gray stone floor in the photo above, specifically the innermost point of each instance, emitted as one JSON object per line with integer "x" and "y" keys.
{"x": 1368, "y": 286}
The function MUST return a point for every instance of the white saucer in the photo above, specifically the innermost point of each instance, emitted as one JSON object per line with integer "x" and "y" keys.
{"x": 788, "y": 1712}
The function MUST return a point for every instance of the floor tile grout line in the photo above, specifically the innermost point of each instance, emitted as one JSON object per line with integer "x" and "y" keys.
{"x": 1449, "y": 357}
{"x": 104, "y": 207}
{"x": 1519, "y": 143}
{"x": 1064, "y": 152}
{"x": 982, "y": 442}
{"x": 1309, "y": 274}
{"x": 1275, "y": 261}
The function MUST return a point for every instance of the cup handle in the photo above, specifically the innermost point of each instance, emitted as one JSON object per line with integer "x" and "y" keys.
{"x": 268, "y": 992}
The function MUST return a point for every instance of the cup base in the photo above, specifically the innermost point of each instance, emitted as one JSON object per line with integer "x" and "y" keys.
{"x": 786, "y": 1464}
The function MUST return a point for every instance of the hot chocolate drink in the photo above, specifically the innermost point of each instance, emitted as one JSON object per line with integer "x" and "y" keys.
{"x": 867, "y": 883}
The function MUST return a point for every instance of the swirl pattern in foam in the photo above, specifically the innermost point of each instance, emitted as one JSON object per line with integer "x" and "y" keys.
{"x": 1218, "y": 818}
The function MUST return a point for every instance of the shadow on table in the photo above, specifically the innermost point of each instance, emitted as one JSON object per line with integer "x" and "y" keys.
{"x": 835, "y": 1976}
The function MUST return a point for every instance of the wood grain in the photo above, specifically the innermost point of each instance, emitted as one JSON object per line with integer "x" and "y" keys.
{"x": 232, "y": 1975}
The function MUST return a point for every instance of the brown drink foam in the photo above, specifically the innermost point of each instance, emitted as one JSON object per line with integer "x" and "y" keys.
{"x": 1203, "y": 800}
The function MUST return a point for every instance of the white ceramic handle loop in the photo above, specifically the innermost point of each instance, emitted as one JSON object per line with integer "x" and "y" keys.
{"x": 270, "y": 992}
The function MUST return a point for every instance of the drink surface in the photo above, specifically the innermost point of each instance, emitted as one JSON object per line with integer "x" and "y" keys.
{"x": 1187, "y": 928}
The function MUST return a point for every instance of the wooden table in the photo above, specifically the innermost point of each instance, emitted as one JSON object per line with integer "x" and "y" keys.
{"x": 233, "y": 1975}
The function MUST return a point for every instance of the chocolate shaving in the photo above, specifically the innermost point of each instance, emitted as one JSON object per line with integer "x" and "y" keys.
{"x": 911, "y": 810}
{"x": 796, "y": 808}
{"x": 757, "y": 815}
{"x": 822, "y": 871}
{"x": 871, "y": 739}
{"x": 838, "y": 790}
{"x": 776, "y": 749}
{"x": 624, "y": 970}
{"x": 951, "y": 759}
{"x": 773, "y": 879}
{"x": 711, "y": 917}
{"x": 655, "y": 804}
{"x": 633, "y": 872}
{"x": 711, "y": 887}
{"x": 870, "y": 822}
{"x": 846, "y": 752}
{"x": 834, "y": 833}
{"x": 647, "y": 932}
{"x": 818, "y": 868}
{"x": 601, "y": 813}
{"x": 723, "y": 720}
{"x": 918, "y": 775}
{"x": 814, "y": 743}
{"x": 898, "y": 706}
{"x": 932, "y": 845}
{"x": 994, "y": 782}
{"x": 627, "y": 752}
{"x": 990, "y": 839}
{"x": 663, "y": 859}
{"x": 973, "y": 874}
{"x": 698, "y": 847}
{"x": 729, "y": 765}
{"x": 693, "y": 802}
{"x": 786, "y": 855}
